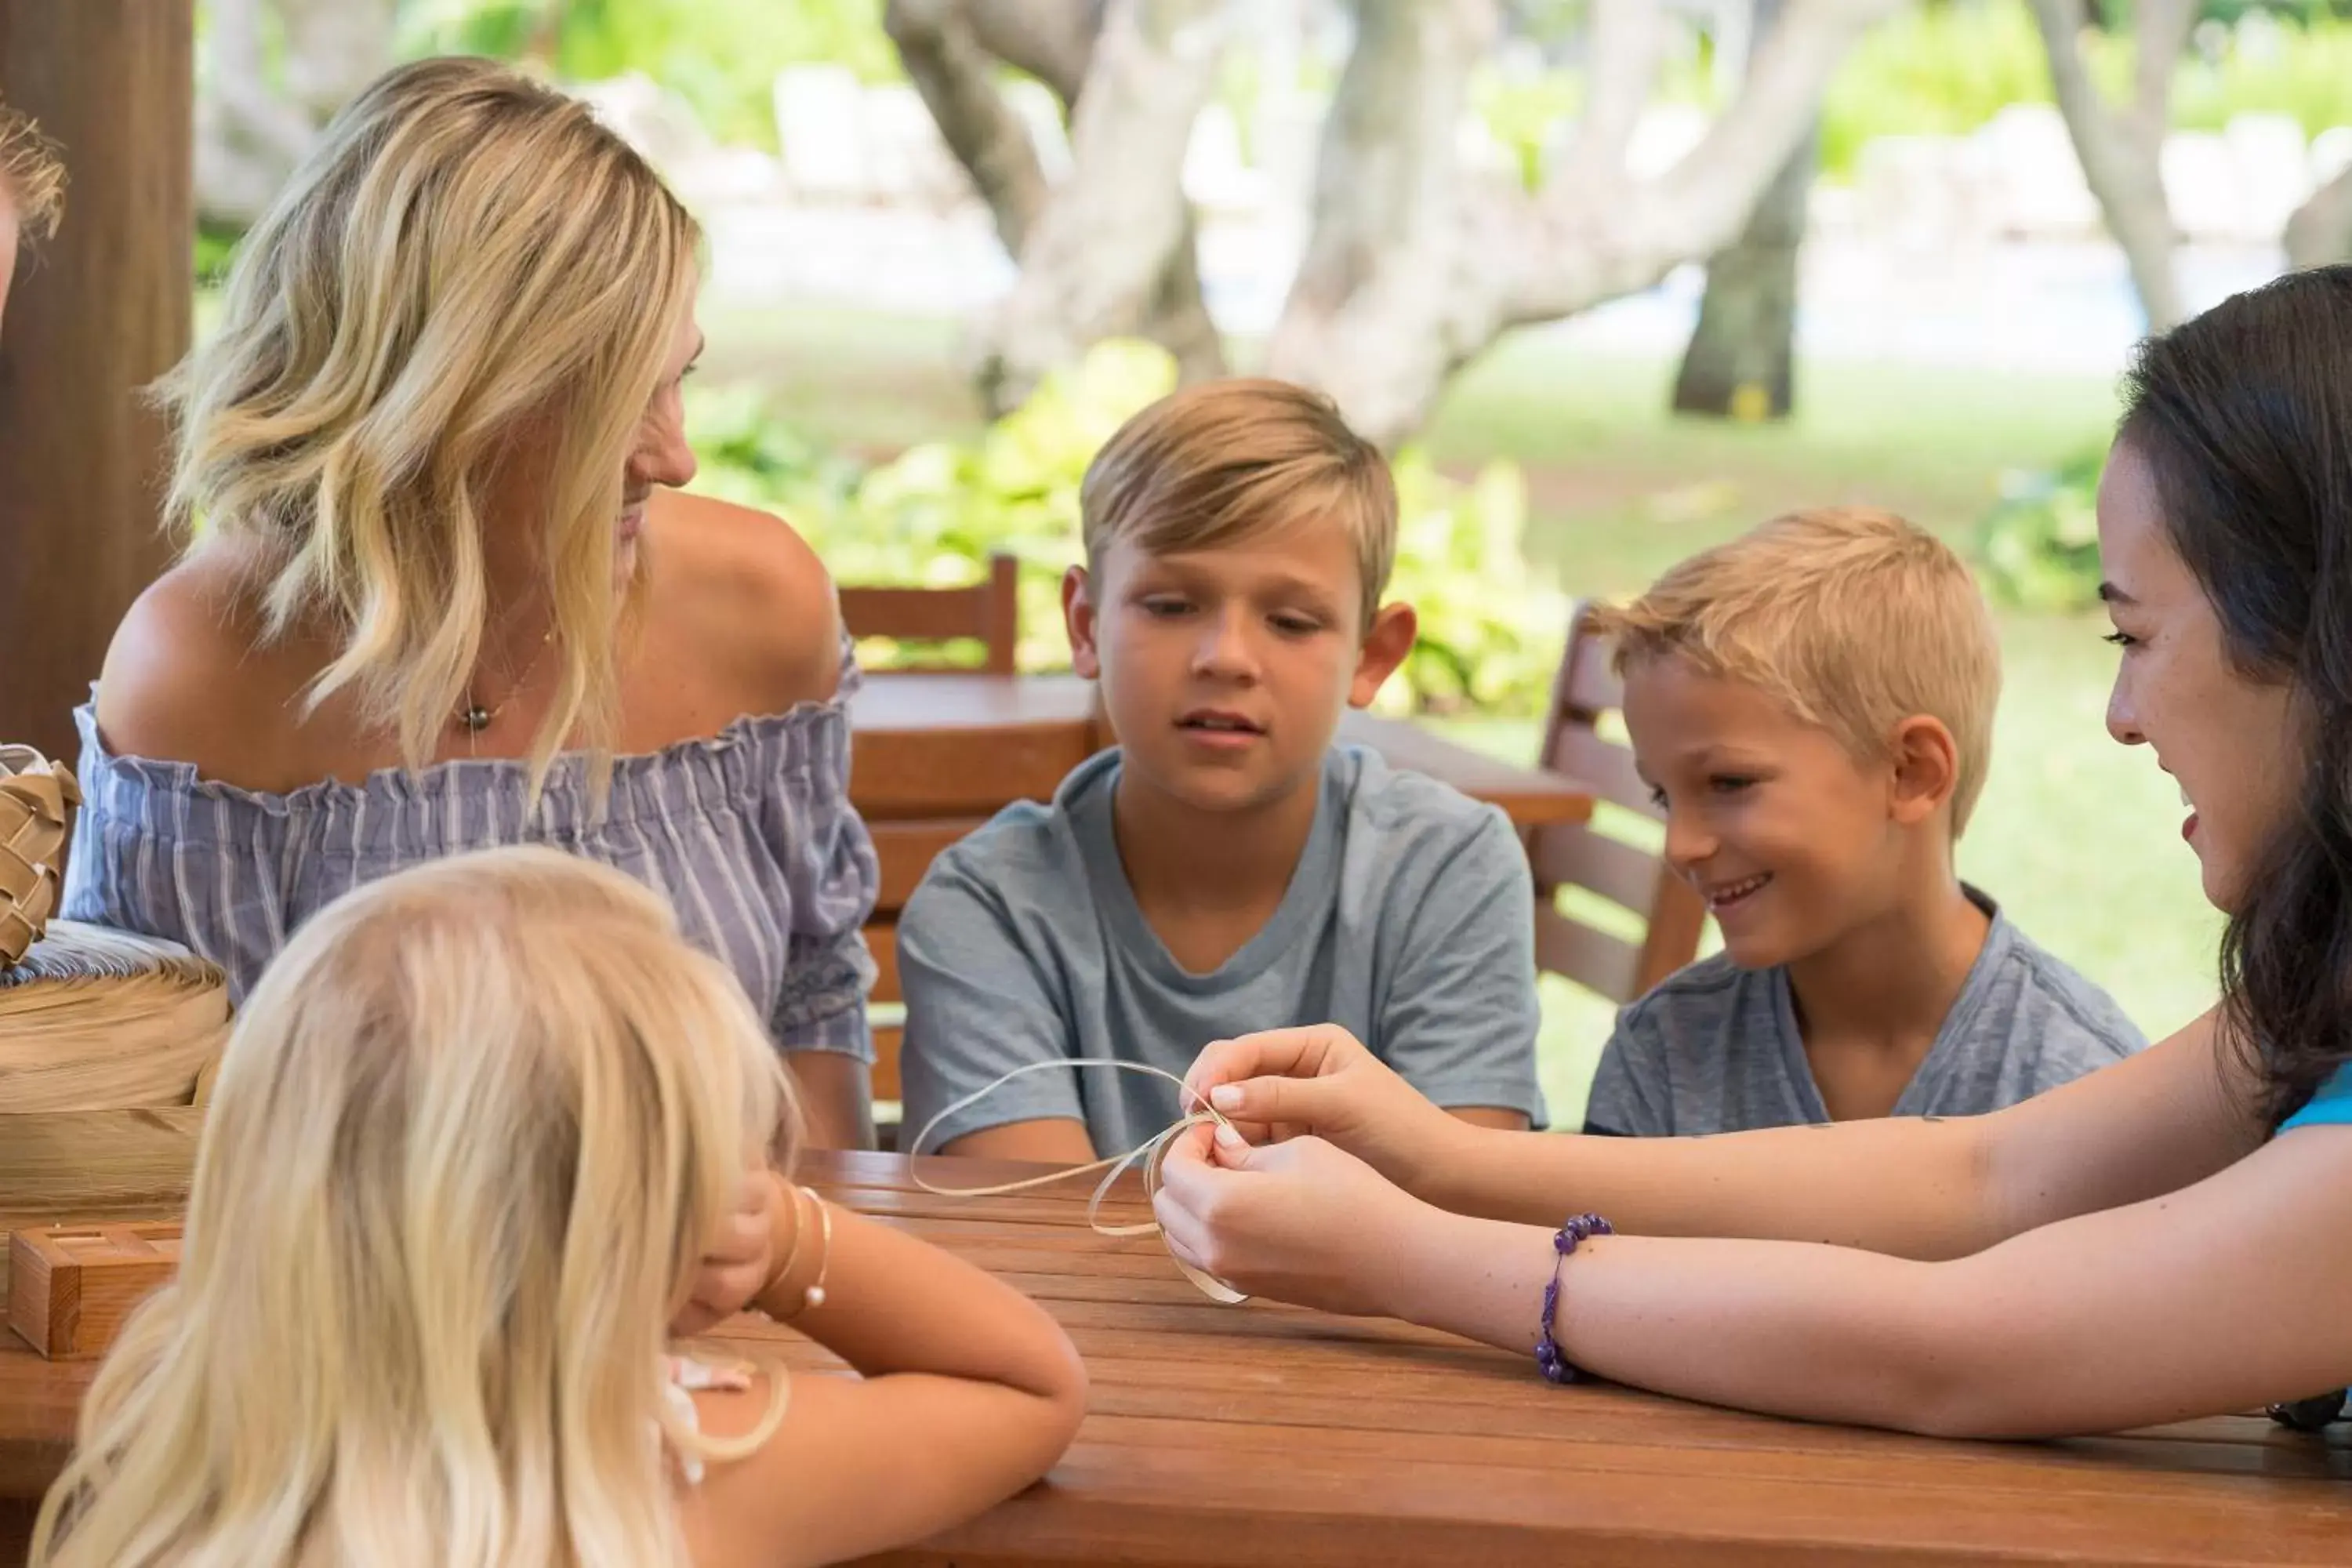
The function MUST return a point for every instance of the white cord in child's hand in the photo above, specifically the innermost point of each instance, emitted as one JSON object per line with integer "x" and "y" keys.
{"x": 1151, "y": 1150}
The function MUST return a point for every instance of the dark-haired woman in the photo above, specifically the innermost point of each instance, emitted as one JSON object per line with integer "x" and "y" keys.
{"x": 2168, "y": 1237}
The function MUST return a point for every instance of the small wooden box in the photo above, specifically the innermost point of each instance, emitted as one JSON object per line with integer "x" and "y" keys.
{"x": 70, "y": 1287}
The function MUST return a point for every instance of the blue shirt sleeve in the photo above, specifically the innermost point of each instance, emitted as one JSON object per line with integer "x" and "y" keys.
{"x": 978, "y": 1004}
{"x": 2332, "y": 1106}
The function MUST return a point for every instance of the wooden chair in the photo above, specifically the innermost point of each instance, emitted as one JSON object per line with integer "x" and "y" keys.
{"x": 1576, "y": 856}
{"x": 989, "y": 610}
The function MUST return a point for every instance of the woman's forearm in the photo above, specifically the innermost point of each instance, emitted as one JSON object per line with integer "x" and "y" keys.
{"x": 1911, "y": 1186}
{"x": 1817, "y": 1332}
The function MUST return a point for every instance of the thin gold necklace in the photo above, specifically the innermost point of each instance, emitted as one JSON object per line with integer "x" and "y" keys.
{"x": 474, "y": 718}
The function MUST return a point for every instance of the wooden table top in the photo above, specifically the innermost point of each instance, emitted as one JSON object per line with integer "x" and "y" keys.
{"x": 894, "y": 709}
{"x": 1270, "y": 1436}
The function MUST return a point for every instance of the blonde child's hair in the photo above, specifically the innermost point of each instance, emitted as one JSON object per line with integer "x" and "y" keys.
{"x": 474, "y": 1130}
{"x": 1854, "y": 620}
{"x": 1223, "y": 461}
{"x": 466, "y": 253}
{"x": 32, "y": 179}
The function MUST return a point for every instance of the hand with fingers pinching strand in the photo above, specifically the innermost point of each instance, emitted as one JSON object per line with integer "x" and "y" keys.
{"x": 1321, "y": 1081}
{"x": 1300, "y": 1221}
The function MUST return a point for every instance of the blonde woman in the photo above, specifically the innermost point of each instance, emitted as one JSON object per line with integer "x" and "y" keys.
{"x": 32, "y": 191}
{"x": 471, "y": 1137}
{"x": 438, "y": 592}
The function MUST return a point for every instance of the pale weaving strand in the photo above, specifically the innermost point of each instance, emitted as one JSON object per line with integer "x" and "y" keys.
{"x": 1151, "y": 1151}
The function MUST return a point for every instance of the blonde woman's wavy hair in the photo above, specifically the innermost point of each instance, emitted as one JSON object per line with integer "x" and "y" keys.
{"x": 474, "y": 1130}
{"x": 465, "y": 252}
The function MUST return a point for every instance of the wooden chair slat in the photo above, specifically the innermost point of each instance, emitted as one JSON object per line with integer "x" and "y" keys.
{"x": 1574, "y": 856}
{"x": 882, "y": 942}
{"x": 1588, "y": 686}
{"x": 1584, "y": 692}
{"x": 1579, "y": 751}
{"x": 1592, "y": 957}
{"x": 939, "y": 774}
{"x": 906, "y": 850}
{"x": 989, "y": 610}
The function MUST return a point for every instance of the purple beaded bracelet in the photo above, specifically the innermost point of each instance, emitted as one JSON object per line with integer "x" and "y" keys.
{"x": 1549, "y": 1359}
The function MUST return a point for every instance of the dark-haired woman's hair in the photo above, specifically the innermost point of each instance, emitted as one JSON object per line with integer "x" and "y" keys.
{"x": 2245, "y": 416}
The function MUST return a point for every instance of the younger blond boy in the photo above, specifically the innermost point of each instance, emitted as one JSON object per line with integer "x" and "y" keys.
{"x": 1226, "y": 868}
{"x": 1813, "y": 705}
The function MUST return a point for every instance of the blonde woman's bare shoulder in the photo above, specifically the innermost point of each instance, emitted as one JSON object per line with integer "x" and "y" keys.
{"x": 187, "y": 678}
{"x": 745, "y": 588}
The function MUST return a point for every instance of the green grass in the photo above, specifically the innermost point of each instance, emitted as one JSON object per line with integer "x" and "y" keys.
{"x": 2076, "y": 836}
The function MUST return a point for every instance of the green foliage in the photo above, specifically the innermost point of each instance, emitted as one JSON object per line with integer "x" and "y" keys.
{"x": 1522, "y": 113}
{"x": 1947, "y": 70}
{"x": 1932, "y": 70}
{"x": 2308, "y": 75}
{"x": 2040, "y": 543}
{"x": 720, "y": 56}
{"x": 934, "y": 514}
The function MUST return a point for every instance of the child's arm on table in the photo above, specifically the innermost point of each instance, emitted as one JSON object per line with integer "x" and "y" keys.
{"x": 969, "y": 1391}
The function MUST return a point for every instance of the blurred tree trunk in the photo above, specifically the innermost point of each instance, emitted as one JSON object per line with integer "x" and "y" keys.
{"x": 1111, "y": 250}
{"x": 1387, "y": 316}
{"x": 253, "y": 125}
{"x": 2122, "y": 150}
{"x": 1413, "y": 264}
{"x": 1741, "y": 360}
{"x": 2321, "y": 229}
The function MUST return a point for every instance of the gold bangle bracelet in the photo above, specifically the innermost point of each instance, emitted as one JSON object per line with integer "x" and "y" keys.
{"x": 815, "y": 1295}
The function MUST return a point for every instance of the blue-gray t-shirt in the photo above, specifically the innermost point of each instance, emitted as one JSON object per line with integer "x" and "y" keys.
{"x": 1716, "y": 1048}
{"x": 1409, "y": 920}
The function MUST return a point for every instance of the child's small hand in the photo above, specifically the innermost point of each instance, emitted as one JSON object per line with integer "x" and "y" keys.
{"x": 736, "y": 1268}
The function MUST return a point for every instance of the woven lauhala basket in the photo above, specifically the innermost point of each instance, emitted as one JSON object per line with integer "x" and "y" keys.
{"x": 36, "y": 802}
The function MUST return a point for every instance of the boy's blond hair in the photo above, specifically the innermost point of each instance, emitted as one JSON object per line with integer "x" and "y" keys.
{"x": 32, "y": 179}
{"x": 1853, "y": 619}
{"x": 1214, "y": 464}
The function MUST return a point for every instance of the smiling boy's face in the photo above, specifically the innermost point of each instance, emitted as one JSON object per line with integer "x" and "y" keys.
{"x": 1791, "y": 841}
{"x": 1226, "y": 671}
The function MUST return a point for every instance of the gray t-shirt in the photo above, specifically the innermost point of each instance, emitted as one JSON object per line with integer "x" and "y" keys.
{"x": 1409, "y": 919}
{"x": 1714, "y": 1048}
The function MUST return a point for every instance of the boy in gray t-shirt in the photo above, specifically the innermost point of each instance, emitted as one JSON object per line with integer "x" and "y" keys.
{"x": 1226, "y": 868}
{"x": 1812, "y": 705}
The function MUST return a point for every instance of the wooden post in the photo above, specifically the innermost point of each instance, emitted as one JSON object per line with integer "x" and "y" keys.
{"x": 97, "y": 313}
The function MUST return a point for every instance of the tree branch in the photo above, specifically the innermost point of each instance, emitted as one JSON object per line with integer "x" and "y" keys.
{"x": 2121, "y": 156}
{"x": 2321, "y": 229}
{"x": 944, "y": 59}
{"x": 1594, "y": 243}
{"x": 1629, "y": 42}
{"x": 1109, "y": 253}
{"x": 1374, "y": 317}
{"x": 1053, "y": 42}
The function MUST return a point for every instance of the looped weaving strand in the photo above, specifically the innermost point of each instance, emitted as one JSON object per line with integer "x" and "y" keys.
{"x": 1151, "y": 1151}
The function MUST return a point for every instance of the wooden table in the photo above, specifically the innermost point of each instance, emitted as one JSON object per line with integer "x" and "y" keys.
{"x": 1268, "y": 1435}
{"x": 943, "y": 745}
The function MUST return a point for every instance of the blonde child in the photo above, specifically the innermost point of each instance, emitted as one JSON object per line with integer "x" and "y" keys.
{"x": 1226, "y": 864}
{"x": 477, "y": 1144}
{"x": 1812, "y": 706}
